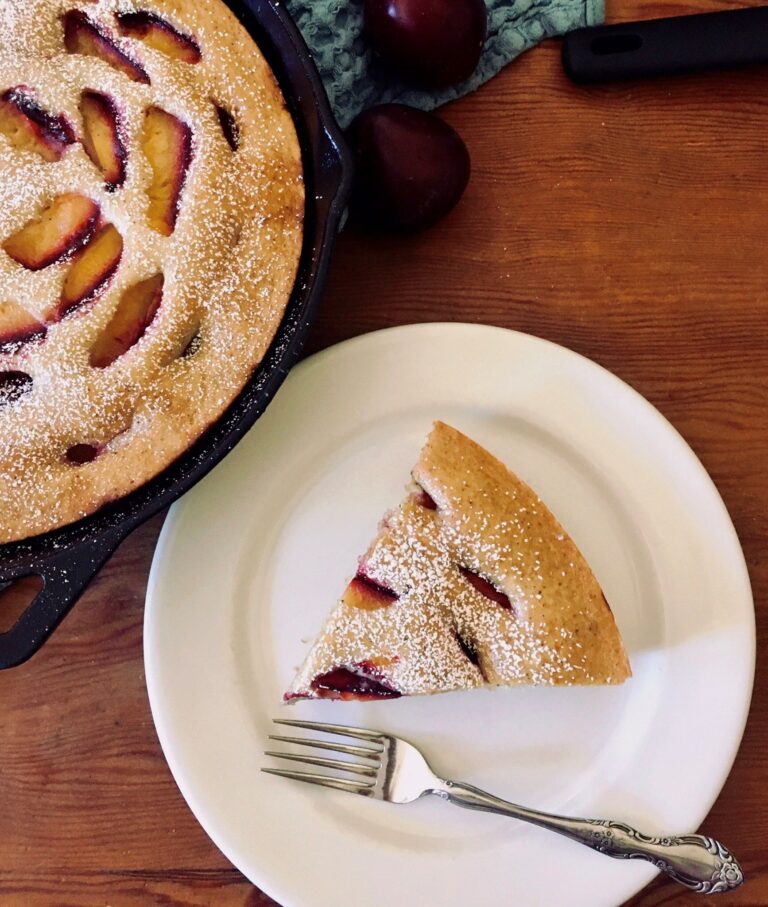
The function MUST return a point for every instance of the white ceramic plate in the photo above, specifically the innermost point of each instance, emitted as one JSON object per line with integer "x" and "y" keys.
{"x": 250, "y": 562}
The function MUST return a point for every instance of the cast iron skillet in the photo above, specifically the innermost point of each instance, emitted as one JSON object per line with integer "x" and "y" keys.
{"x": 68, "y": 558}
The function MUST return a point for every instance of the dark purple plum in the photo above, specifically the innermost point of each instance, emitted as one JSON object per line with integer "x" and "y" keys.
{"x": 435, "y": 43}
{"x": 412, "y": 167}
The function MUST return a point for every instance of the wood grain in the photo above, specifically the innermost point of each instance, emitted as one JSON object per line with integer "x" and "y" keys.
{"x": 627, "y": 223}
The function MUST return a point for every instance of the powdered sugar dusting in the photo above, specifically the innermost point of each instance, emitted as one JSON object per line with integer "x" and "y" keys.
{"x": 442, "y": 633}
{"x": 229, "y": 264}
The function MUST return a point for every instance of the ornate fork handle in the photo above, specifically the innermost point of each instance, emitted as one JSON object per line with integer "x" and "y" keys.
{"x": 700, "y": 863}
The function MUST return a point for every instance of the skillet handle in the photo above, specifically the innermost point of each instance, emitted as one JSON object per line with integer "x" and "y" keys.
{"x": 667, "y": 47}
{"x": 65, "y": 576}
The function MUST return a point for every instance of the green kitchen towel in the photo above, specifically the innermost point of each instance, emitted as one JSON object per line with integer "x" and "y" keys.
{"x": 355, "y": 79}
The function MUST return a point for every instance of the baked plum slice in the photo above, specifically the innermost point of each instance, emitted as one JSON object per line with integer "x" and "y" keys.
{"x": 101, "y": 137}
{"x": 484, "y": 587}
{"x": 167, "y": 144}
{"x": 135, "y": 312}
{"x": 159, "y": 34}
{"x": 65, "y": 225}
{"x": 228, "y": 126}
{"x": 13, "y": 386}
{"x": 365, "y": 593}
{"x": 17, "y": 325}
{"x": 83, "y": 36}
{"x": 30, "y": 128}
{"x": 362, "y": 680}
{"x": 91, "y": 270}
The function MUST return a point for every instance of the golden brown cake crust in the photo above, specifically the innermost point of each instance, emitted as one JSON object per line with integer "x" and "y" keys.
{"x": 441, "y": 633}
{"x": 229, "y": 265}
{"x": 501, "y": 529}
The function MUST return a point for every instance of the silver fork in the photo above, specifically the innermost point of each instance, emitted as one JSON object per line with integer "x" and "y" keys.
{"x": 389, "y": 768}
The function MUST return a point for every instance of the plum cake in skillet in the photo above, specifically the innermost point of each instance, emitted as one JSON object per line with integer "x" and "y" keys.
{"x": 151, "y": 208}
{"x": 472, "y": 581}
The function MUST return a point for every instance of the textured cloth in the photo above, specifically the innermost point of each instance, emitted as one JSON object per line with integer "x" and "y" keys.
{"x": 355, "y": 79}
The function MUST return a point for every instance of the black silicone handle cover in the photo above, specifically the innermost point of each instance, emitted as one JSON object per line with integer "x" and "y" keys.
{"x": 665, "y": 47}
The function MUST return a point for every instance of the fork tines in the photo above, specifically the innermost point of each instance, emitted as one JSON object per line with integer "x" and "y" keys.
{"x": 370, "y": 753}
{"x": 341, "y": 729}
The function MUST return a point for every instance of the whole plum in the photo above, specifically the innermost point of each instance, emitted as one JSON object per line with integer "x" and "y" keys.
{"x": 435, "y": 43}
{"x": 412, "y": 167}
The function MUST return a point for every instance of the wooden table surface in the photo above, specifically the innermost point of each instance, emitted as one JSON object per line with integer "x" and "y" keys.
{"x": 627, "y": 223}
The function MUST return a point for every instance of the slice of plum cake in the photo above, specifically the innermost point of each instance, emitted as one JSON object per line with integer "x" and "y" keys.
{"x": 472, "y": 581}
